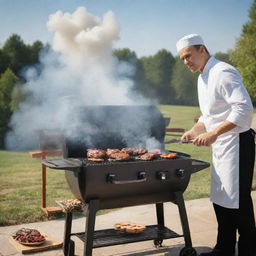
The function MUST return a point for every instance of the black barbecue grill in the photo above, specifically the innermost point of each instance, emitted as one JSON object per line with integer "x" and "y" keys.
{"x": 120, "y": 184}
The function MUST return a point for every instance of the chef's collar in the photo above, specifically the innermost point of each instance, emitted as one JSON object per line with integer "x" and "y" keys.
{"x": 208, "y": 65}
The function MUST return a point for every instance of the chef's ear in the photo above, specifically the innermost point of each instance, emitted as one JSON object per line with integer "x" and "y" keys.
{"x": 202, "y": 48}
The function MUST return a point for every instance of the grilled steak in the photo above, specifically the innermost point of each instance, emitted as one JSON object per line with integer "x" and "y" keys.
{"x": 134, "y": 151}
{"x": 96, "y": 153}
{"x": 146, "y": 156}
{"x": 111, "y": 151}
{"x": 169, "y": 155}
{"x": 140, "y": 151}
{"x": 27, "y": 235}
{"x": 119, "y": 156}
{"x": 155, "y": 151}
{"x": 95, "y": 159}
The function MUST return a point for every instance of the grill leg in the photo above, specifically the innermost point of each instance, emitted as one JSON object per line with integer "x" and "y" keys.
{"x": 160, "y": 213}
{"x": 92, "y": 208}
{"x": 183, "y": 218}
{"x": 160, "y": 222}
{"x": 67, "y": 232}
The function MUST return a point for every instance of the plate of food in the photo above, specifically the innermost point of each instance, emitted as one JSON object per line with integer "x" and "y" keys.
{"x": 71, "y": 204}
{"x": 130, "y": 227}
{"x": 29, "y": 237}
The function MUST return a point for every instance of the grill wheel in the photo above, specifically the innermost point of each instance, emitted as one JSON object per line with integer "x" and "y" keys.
{"x": 158, "y": 243}
{"x": 188, "y": 251}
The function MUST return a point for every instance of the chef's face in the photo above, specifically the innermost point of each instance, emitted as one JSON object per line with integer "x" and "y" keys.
{"x": 193, "y": 58}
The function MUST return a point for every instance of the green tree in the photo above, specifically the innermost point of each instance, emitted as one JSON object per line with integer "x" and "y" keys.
{"x": 125, "y": 54}
{"x": 7, "y": 82}
{"x": 223, "y": 57}
{"x": 4, "y": 61}
{"x": 34, "y": 51}
{"x": 244, "y": 54}
{"x": 185, "y": 84}
{"x": 137, "y": 75}
{"x": 17, "y": 97}
{"x": 158, "y": 72}
{"x": 17, "y": 52}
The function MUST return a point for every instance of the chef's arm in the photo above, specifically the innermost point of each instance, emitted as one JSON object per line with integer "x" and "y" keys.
{"x": 223, "y": 128}
{"x": 198, "y": 128}
{"x": 207, "y": 138}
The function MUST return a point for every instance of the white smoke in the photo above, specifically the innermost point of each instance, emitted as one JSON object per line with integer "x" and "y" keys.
{"x": 85, "y": 44}
{"x": 80, "y": 70}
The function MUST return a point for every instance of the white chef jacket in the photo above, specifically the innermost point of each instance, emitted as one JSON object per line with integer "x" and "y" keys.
{"x": 222, "y": 96}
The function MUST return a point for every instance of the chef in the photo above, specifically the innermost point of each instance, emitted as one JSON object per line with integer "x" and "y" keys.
{"x": 225, "y": 122}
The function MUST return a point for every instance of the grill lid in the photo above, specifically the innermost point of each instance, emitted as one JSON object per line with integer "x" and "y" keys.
{"x": 116, "y": 127}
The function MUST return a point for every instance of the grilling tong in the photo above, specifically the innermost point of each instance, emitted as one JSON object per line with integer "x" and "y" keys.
{"x": 172, "y": 141}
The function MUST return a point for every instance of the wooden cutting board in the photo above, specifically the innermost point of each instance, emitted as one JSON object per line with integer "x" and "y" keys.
{"x": 49, "y": 244}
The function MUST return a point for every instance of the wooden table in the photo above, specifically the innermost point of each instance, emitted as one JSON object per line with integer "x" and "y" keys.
{"x": 43, "y": 154}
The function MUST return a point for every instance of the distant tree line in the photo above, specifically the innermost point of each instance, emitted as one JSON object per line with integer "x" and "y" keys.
{"x": 162, "y": 77}
{"x": 15, "y": 55}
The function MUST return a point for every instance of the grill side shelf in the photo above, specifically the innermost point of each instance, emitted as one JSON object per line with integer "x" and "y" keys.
{"x": 198, "y": 165}
{"x": 71, "y": 164}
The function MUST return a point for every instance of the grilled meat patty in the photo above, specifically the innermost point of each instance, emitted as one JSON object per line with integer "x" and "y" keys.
{"x": 111, "y": 151}
{"x": 134, "y": 151}
{"x": 119, "y": 156}
{"x": 155, "y": 151}
{"x": 96, "y": 153}
{"x": 169, "y": 155}
{"x": 146, "y": 156}
{"x": 95, "y": 159}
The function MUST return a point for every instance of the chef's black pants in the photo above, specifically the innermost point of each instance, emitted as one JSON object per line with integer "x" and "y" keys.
{"x": 242, "y": 220}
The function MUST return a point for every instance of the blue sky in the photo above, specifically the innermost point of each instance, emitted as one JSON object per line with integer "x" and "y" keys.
{"x": 146, "y": 25}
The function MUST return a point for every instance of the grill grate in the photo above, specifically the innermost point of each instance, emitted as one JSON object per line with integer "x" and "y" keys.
{"x": 110, "y": 237}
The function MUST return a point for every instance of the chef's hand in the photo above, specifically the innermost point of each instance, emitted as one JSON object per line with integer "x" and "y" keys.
{"x": 188, "y": 136}
{"x": 205, "y": 139}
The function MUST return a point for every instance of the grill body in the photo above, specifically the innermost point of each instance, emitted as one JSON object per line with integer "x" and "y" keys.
{"x": 121, "y": 184}
{"x": 130, "y": 183}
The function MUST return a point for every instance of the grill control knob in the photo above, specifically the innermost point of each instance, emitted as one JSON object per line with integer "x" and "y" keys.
{"x": 180, "y": 173}
{"x": 111, "y": 177}
{"x": 141, "y": 175}
{"x": 162, "y": 175}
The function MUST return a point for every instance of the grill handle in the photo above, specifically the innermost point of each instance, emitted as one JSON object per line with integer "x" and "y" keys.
{"x": 111, "y": 178}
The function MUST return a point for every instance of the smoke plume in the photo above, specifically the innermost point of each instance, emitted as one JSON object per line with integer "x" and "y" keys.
{"x": 78, "y": 71}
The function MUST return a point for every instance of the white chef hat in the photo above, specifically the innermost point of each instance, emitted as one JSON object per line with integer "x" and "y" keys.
{"x": 189, "y": 40}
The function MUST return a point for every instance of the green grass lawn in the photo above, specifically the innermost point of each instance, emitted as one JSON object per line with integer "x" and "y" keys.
{"x": 183, "y": 117}
{"x": 20, "y": 175}
{"x": 20, "y": 188}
